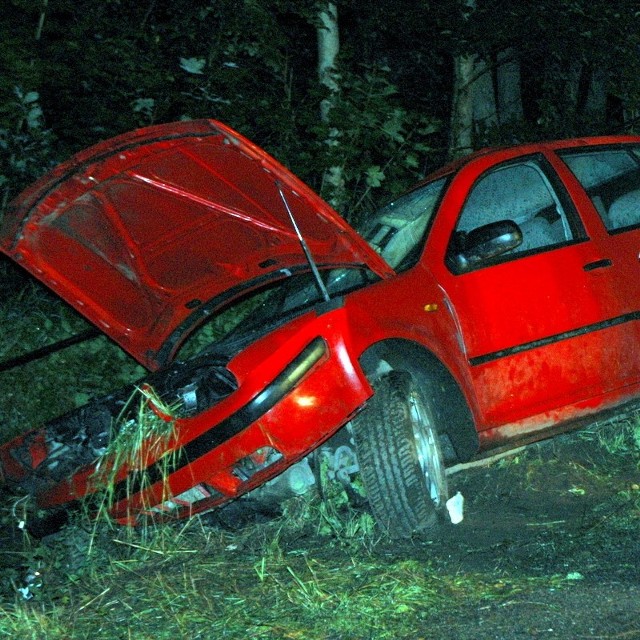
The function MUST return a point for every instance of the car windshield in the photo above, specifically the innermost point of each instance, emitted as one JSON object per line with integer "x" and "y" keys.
{"x": 397, "y": 231}
{"x": 264, "y": 309}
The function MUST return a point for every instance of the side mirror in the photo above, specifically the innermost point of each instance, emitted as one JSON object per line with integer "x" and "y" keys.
{"x": 485, "y": 243}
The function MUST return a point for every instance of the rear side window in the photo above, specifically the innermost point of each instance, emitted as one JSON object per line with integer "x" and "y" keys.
{"x": 611, "y": 178}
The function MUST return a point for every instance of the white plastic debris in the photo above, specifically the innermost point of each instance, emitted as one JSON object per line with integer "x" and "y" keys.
{"x": 26, "y": 592}
{"x": 455, "y": 507}
{"x": 32, "y": 581}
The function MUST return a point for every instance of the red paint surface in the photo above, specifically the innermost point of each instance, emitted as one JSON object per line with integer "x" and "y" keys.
{"x": 133, "y": 230}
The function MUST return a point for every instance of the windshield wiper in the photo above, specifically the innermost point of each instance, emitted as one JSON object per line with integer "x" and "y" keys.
{"x": 305, "y": 248}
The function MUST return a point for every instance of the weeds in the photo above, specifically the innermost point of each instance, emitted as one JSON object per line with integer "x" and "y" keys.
{"x": 28, "y": 146}
{"x": 29, "y": 623}
{"x": 143, "y": 433}
{"x": 317, "y": 572}
{"x": 620, "y": 436}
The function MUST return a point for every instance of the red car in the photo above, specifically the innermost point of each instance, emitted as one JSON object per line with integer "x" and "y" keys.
{"x": 495, "y": 303}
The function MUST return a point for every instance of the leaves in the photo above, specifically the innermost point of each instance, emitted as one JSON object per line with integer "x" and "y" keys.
{"x": 375, "y": 176}
{"x": 193, "y": 65}
{"x": 26, "y": 144}
{"x": 101, "y": 69}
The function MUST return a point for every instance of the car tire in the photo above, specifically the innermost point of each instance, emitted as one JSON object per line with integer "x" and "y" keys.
{"x": 399, "y": 455}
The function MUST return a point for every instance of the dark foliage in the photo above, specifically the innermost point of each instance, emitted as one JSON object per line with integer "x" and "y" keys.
{"x": 76, "y": 72}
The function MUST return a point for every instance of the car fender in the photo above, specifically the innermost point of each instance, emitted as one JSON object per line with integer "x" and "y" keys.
{"x": 430, "y": 351}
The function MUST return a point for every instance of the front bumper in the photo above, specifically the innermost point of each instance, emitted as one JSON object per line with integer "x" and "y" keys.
{"x": 296, "y": 397}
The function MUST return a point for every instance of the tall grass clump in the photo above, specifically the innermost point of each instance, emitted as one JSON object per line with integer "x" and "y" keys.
{"x": 143, "y": 434}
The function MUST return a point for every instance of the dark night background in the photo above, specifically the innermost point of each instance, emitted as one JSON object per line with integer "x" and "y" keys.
{"x": 74, "y": 72}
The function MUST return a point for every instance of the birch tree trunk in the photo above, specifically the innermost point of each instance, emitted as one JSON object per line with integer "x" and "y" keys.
{"x": 461, "y": 141}
{"x": 328, "y": 49}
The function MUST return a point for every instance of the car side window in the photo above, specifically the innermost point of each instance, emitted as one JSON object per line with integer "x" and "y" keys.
{"x": 611, "y": 178}
{"x": 397, "y": 231}
{"x": 518, "y": 198}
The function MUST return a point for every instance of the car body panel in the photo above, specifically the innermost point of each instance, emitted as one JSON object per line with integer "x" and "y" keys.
{"x": 555, "y": 328}
{"x": 138, "y": 231}
{"x": 530, "y": 341}
{"x": 313, "y": 403}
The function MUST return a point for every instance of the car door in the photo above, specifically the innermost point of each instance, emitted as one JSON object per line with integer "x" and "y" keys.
{"x": 609, "y": 178}
{"x": 540, "y": 324}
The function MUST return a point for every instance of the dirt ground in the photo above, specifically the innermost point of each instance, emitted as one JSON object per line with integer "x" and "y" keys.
{"x": 551, "y": 511}
{"x": 564, "y": 510}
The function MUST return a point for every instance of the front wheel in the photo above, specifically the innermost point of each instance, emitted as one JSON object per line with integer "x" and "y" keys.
{"x": 399, "y": 456}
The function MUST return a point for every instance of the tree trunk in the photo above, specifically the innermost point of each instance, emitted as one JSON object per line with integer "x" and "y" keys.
{"x": 461, "y": 137}
{"x": 483, "y": 96}
{"x": 461, "y": 141}
{"x": 328, "y": 48}
{"x": 597, "y": 98}
{"x": 509, "y": 90}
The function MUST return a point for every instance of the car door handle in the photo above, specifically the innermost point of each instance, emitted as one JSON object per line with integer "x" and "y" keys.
{"x": 598, "y": 264}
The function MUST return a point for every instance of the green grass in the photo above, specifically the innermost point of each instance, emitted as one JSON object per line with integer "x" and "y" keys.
{"x": 291, "y": 577}
{"x": 619, "y": 436}
{"x": 199, "y": 582}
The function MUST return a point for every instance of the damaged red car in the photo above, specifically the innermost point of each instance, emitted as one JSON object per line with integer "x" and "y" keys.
{"x": 496, "y": 303}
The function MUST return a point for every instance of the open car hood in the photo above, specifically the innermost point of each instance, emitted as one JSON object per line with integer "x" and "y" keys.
{"x": 138, "y": 231}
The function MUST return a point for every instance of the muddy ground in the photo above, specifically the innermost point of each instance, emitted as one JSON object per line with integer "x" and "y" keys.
{"x": 566, "y": 511}
{"x": 565, "y": 508}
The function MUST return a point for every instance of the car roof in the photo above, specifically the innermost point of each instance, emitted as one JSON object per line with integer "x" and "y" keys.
{"x": 504, "y": 152}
